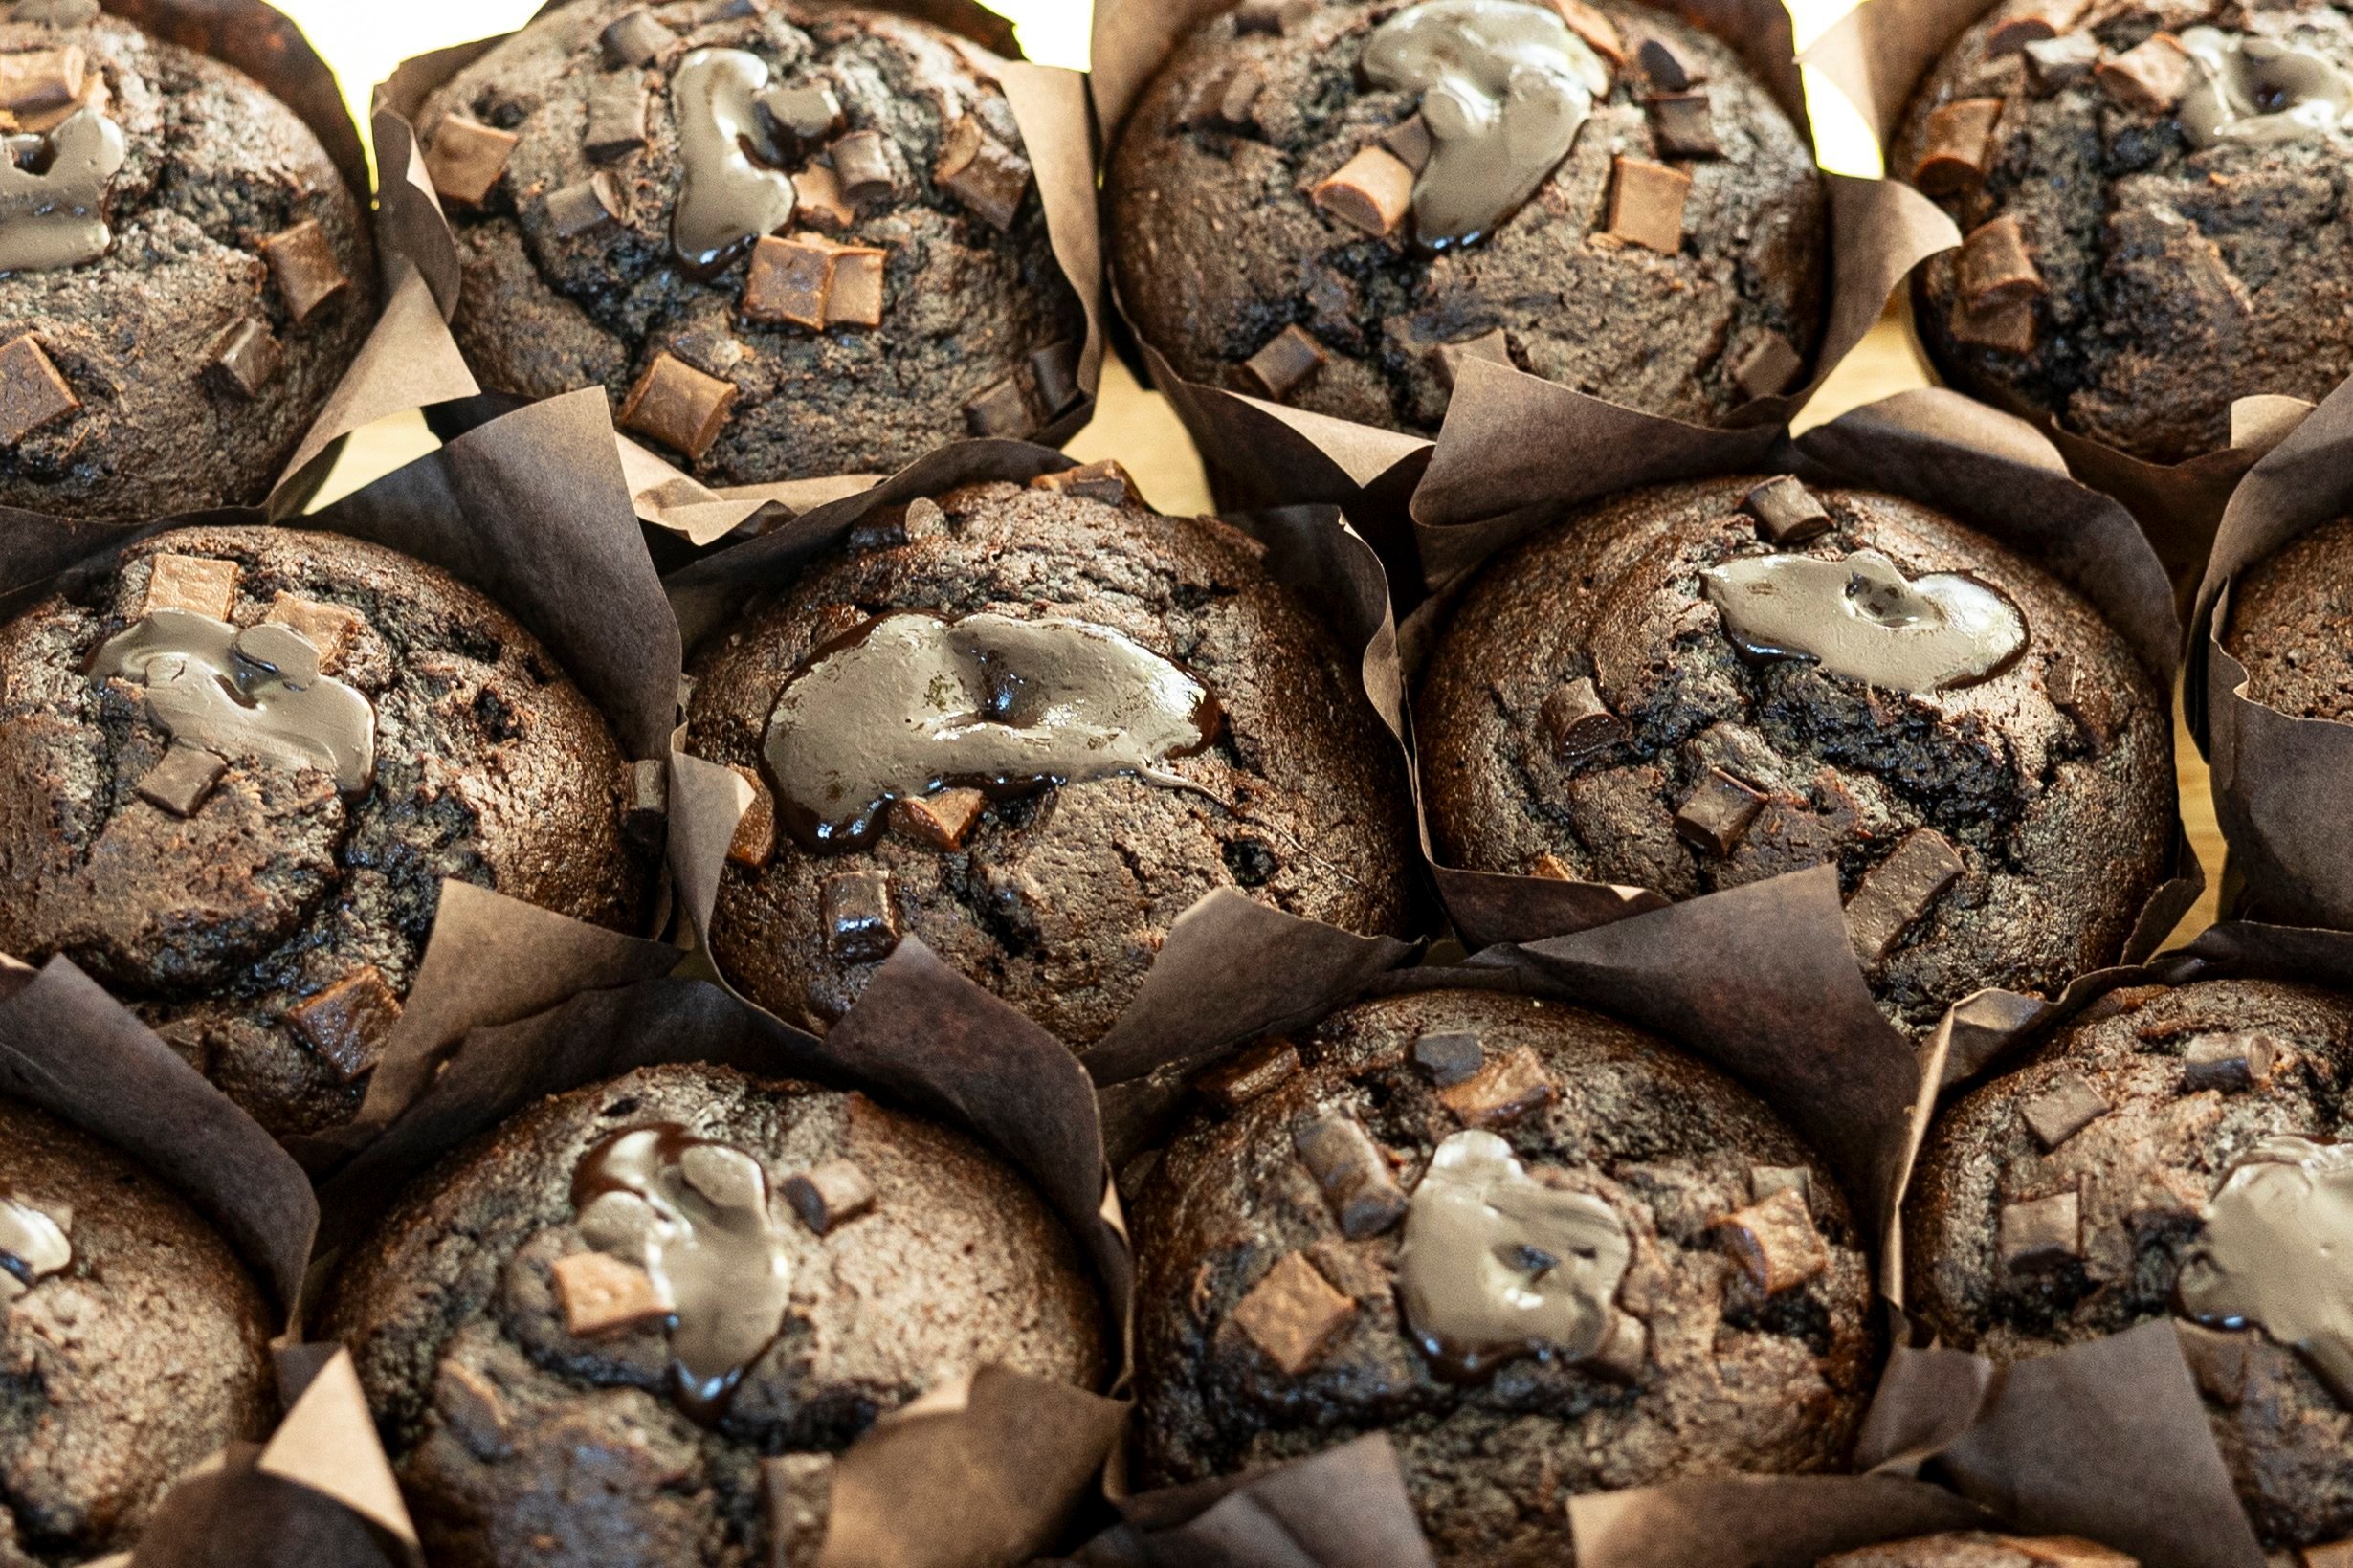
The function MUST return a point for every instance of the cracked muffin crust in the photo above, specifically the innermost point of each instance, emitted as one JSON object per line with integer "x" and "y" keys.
{"x": 1284, "y": 1236}
{"x": 169, "y": 356}
{"x": 257, "y": 875}
{"x": 533, "y": 1406}
{"x": 2067, "y": 1200}
{"x": 1587, "y": 712}
{"x": 1056, "y": 896}
{"x": 1982, "y": 1549}
{"x": 2290, "y": 624}
{"x": 2127, "y": 273}
{"x": 908, "y": 295}
{"x": 1674, "y": 265}
{"x": 135, "y": 1344}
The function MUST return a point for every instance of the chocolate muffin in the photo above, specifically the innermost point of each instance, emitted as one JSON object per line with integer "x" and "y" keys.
{"x": 1032, "y": 726}
{"x": 2292, "y": 625}
{"x": 1335, "y": 204}
{"x": 789, "y": 239}
{"x": 235, "y": 771}
{"x": 636, "y": 1324}
{"x": 184, "y": 274}
{"x": 2169, "y": 1152}
{"x": 1542, "y": 1251}
{"x": 1982, "y": 1549}
{"x": 135, "y": 1343}
{"x": 1697, "y": 686}
{"x": 2154, "y": 200}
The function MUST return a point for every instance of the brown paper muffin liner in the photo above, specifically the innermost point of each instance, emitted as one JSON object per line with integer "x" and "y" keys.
{"x": 532, "y": 510}
{"x": 413, "y": 361}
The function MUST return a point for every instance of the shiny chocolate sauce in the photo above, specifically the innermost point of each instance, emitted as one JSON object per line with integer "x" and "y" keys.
{"x": 728, "y": 200}
{"x": 911, "y": 702}
{"x": 2276, "y": 1254}
{"x": 692, "y": 1214}
{"x": 2259, "y": 90}
{"x": 1860, "y": 617}
{"x": 1495, "y": 1265}
{"x": 52, "y": 194}
{"x": 33, "y": 1245}
{"x": 255, "y": 692}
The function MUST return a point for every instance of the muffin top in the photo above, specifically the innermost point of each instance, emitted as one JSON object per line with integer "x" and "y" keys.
{"x": 1032, "y": 726}
{"x": 2169, "y": 1152}
{"x": 1982, "y": 1549}
{"x": 789, "y": 240}
{"x": 634, "y": 1324}
{"x": 2292, "y": 625}
{"x": 235, "y": 771}
{"x": 1697, "y": 686}
{"x": 1333, "y": 204}
{"x": 184, "y": 276}
{"x": 136, "y": 1345}
{"x": 2154, "y": 195}
{"x": 1542, "y": 1250}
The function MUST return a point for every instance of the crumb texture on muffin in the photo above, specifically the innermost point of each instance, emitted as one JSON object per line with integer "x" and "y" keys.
{"x": 2292, "y": 625}
{"x": 1984, "y": 1549}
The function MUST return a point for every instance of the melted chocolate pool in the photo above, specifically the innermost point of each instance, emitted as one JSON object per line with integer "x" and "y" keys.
{"x": 2259, "y": 90}
{"x": 1860, "y": 617}
{"x": 52, "y": 194}
{"x": 2276, "y": 1254}
{"x": 728, "y": 201}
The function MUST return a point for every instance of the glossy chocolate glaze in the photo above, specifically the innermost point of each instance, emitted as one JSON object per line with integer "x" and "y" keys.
{"x": 2276, "y": 1254}
{"x": 1860, "y": 617}
{"x": 52, "y": 194}
{"x": 33, "y": 1245}
{"x": 728, "y": 199}
{"x": 2259, "y": 90}
{"x": 911, "y": 702}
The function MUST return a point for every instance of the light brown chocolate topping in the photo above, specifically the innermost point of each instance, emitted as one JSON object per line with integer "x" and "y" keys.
{"x": 1860, "y": 617}
{"x": 727, "y": 201}
{"x": 2259, "y": 90}
{"x": 2276, "y": 1254}
{"x": 33, "y": 1245}
{"x": 52, "y": 194}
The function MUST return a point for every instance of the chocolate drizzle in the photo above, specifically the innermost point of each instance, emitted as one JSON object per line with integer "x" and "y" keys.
{"x": 1495, "y": 1265}
{"x": 52, "y": 194}
{"x": 1504, "y": 87}
{"x": 2276, "y": 1254}
{"x": 694, "y": 1214}
{"x": 256, "y": 693}
{"x": 729, "y": 199}
{"x": 912, "y": 702}
{"x": 2259, "y": 90}
{"x": 1860, "y": 617}
{"x": 33, "y": 1245}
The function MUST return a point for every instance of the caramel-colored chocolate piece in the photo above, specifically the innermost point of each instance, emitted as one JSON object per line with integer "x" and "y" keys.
{"x": 855, "y": 295}
{"x": 1105, "y": 481}
{"x": 586, "y": 205}
{"x": 981, "y": 172}
{"x": 818, "y": 198}
{"x": 33, "y": 395}
{"x": 2066, "y": 1107}
{"x": 862, "y": 165}
{"x": 1353, "y": 1172}
{"x": 633, "y": 38}
{"x": 1767, "y": 365}
{"x": 1765, "y": 1180}
{"x": 1717, "y": 814}
{"x": 678, "y": 406}
{"x": 1250, "y": 1072}
{"x": 1645, "y": 203}
{"x": 182, "y": 779}
{"x": 198, "y": 584}
{"x": 2334, "y": 1555}
{"x": 34, "y": 79}
{"x": 1371, "y": 192}
{"x": 1551, "y": 868}
{"x": 1665, "y": 67}
{"x": 1508, "y": 1088}
{"x": 1994, "y": 263}
{"x": 754, "y": 843}
{"x": 616, "y": 117}
{"x": 1288, "y": 362}
{"x": 1449, "y": 1056}
{"x": 2151, "y": 77}
{"x": 2041, "y": 1233}
{"x": 814, "y": 282}
{"x": 2061, "y": 61}
{"x": 1293, "y": 1313}
{"x": 999, "y": 411}
{"x": 303, "y": 264}
{"x": 2012, "y": 34}
{"x": 1494, "y": 346}
{"x": 1622, "y": 1356}
{"x": 1683, "y": 125}
{"x": 1273, "y": 16}
{"x": 940, "y": 820}
{"x": 326, "y": 628}
{"x": 346, "y": 1022}
{"x": 796, "y": 1507}
{"x": 860, "y": 924}
{"x": 1408, "y": 142}
{"x": 1899, "y": 891}
{"x": 1959, "y": 146}
{"x": 1055, "y": 368}
{"x": 808, "y": 113}
{"x": 1577, "y": 723}
{"x": 830, "y": 1194}
{"x": 1600, "y": 34}
{"x": 1776, "y": 1242}
{"x": 2005, "y": 325}
{"x": 1785, "y": 511}
{"x": 645, "y": 800}
{"x": 470, "y": 1405}
{"x": 468, "y": 158}
{"x": 2230, "y": 1062}
{"x": 1227, "y": 102}
{"x": 601, "y": 1296}
{"x": 244, "y": 358}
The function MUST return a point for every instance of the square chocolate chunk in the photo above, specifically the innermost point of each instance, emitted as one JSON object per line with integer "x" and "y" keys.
{"x": 1576, "y": 721}
{"x": 830, "y": 1194}
{"x": 603, "y": 1295}
{"x": 2228, "y": 1062}
{"x": 326, "y": 628}
{"x": 1450, "y": 1057}
{"x": 1999, "y": 323}
{"x": 586, "y": 205}
{"x": 244, "y": 359}
{"x": 1958, "y": 145}
{"x": 182, "y": 779}
{"x": 1056, "y": 369}
{"x": 467, "y": 158}
{"x": 808, "y": 114}
{"x": 1717, "y": 814}
{"x": 1683, "y": 125}
{"x": 999, "y": 411}
{"x": 304, "y": 267}
{"x": 789, "y": 281}
{"x": 2065, "y": 1108}
{"x": 1664, "y": 66}
{"x": 1899, "y": 891}
{"x": 1508, "y": 1088}
{"x": 1105, "y": 481}
{"x": 860, "y": 924}
{"x": 1289, "y": 362}
{"x": 1775, "y": 1240}
{"x": 2335, "y": 1555}
{"x": 346, "y": 1022}
{"x": 1371, "y": 192}
{"x": 942, "y": 820}
{"x": 1353, "y": 1172}
{"x": 1275, "y": 17}
{"x": 1409, "y": 141}
{"x": 1293, "y": 1313}
{"x": 198, "y": 584}
{"x": 1785, "y": 511}
{"x": 1599, "y": 32}
{"x": 2042, "y": 1233}
{"x": 616, "y": 117}
{"x": 1226, "y": 104}
{"x": 2150, "y": 78}
{"x": 1645, "y": 203}
{"x": 678, "y": 406}
{"x": 1994, "y": 264}
{"x": 754, "y": 843}
{"x": 633, "y": 38}
{"x": 1495, "y": 347}
{"x": 2063, "y": 62}
{"x": 981, "y": 172}
{"x": 33, "y": 395}
{"x": 817, "y": 199}
{"x": 42, "y": 78}
{"x": 855, "y": 296}
{"x": 1767, "y": 365}
{"x": 1250, "y": 1072}
{"x": 862, "y": 165}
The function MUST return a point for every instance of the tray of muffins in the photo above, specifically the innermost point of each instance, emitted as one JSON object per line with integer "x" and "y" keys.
{"x": 750, "y": 963}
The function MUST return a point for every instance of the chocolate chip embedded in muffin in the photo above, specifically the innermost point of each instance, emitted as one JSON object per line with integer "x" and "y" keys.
{"x": 235, "y": 772}
{"x": 2152, "y": 197}
{"x": 137, "y": 1343}
{"x": 2292, "y": 625}
{"x": 1982, "y": 1549}
{"x": 184, "y": 274}
{"x": 1699, "y": 686}
{"x": 613, "y": 1331}
{"x": 2171, "y": 1151}
{"x": 1603, "y": 1266}
{"x": 1324, "y": 212}
{"x": 788, "y": 240}
{"x": 1032, "y": 726}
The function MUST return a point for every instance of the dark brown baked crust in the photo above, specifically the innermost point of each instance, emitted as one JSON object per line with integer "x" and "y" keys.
{"x": 2292, "y": 625}
{"x": 1058, "y": 901}
{"x": 589, "y": 1463}
{"x": 217, "y": 928}
{"x": 2061, "y": 814}
{"x": 1733, "y": 1379}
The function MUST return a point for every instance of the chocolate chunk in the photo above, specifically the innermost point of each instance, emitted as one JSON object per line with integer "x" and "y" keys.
{"x": 243, "y": 358}
{"x": 999, "y": 411}
{"x": 1352, "y": 1172}
{"x": 55, "y": 13}
{"x": 2334, "y": 1555}
{"x": 814, "y": 282}
{"x": 830, "y": 1194}
{"x": 1994, "y": 264}
{"x": 33, "y": 394}
{"x": 467, "y": 158}
{"x": 729, "y": 11}
{"x": 603, "y": 1295}
{"x": 921, "y": 519}
{"x": 1289, "y": 362}
{"x": 470, "y": 1406}
{"x": 616, "y": 117}
{"x": 1960, "y": 143}
{"x": 1227, "y": 101}
{"x": 942, "y": 820}
{"x": 34, "y": 79}
{"x": 860, "y": 925}
{"x": 2149, "y": 78}
{"x": 1275, "y": 17}
{"x": 346, "y": 1022}
{"x": 2005, "y": 325}
{"x": 1785, "y": 511}
{"x": 754, "y": 843}
{"x": 196, "y": 584}
{"x": 1293, "y": 1313}
{"x": 2218, "y": 1362}
{"x": 808, "y": 114}
{"x": 327, "y": 628}
{"x": 1105, "y": 481}
{"x": 1408, "y": 142}
{"x": 586, "y": 205}
{"x": 2043, "y": 1234}
{"x": 1899, "y": 891}
{"x": 182, "y": 779}
{"x": 1551, "y": 868}
{"x": 1494, "y": 346}
{"x": 1767, "y": 365}
{"x": 1599, "y": 32}
{"x": 1716, "y": 815}
{"x": 1683, "y": 125}
{"x": 1452, "y": 1057}
{"x": 304, "y": 266}
{"x": 796, "y": 1506}
{"x": 1665, "y": 67}
{"x": 633, "y": 38}
{"x": 2012, "y": 34}
{"x": 2065, "y": 1108}
{"x": 1645, "y": 203}
{"x": 1508, "y": 1088}
{"x": 1767, "y": 1181}
{"x": 1775, "y": 1240}
{"x": 1056, "y": 368}
{"x": 862, "y": 165}
{"x": 1250, "y": 1072}
{"x": 645, "y": 800}
{"x": 2062, "y": 61}
{"x": 981, "y": 172}
{"x": 1576, "y": 722}
{"x": 678, "y": 406}
{"x": 818, "y": 198}
{"x": 1622, "y": 1356}
{"x": 1371, "y": 192}
{"x": 2228, "y": 1062}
